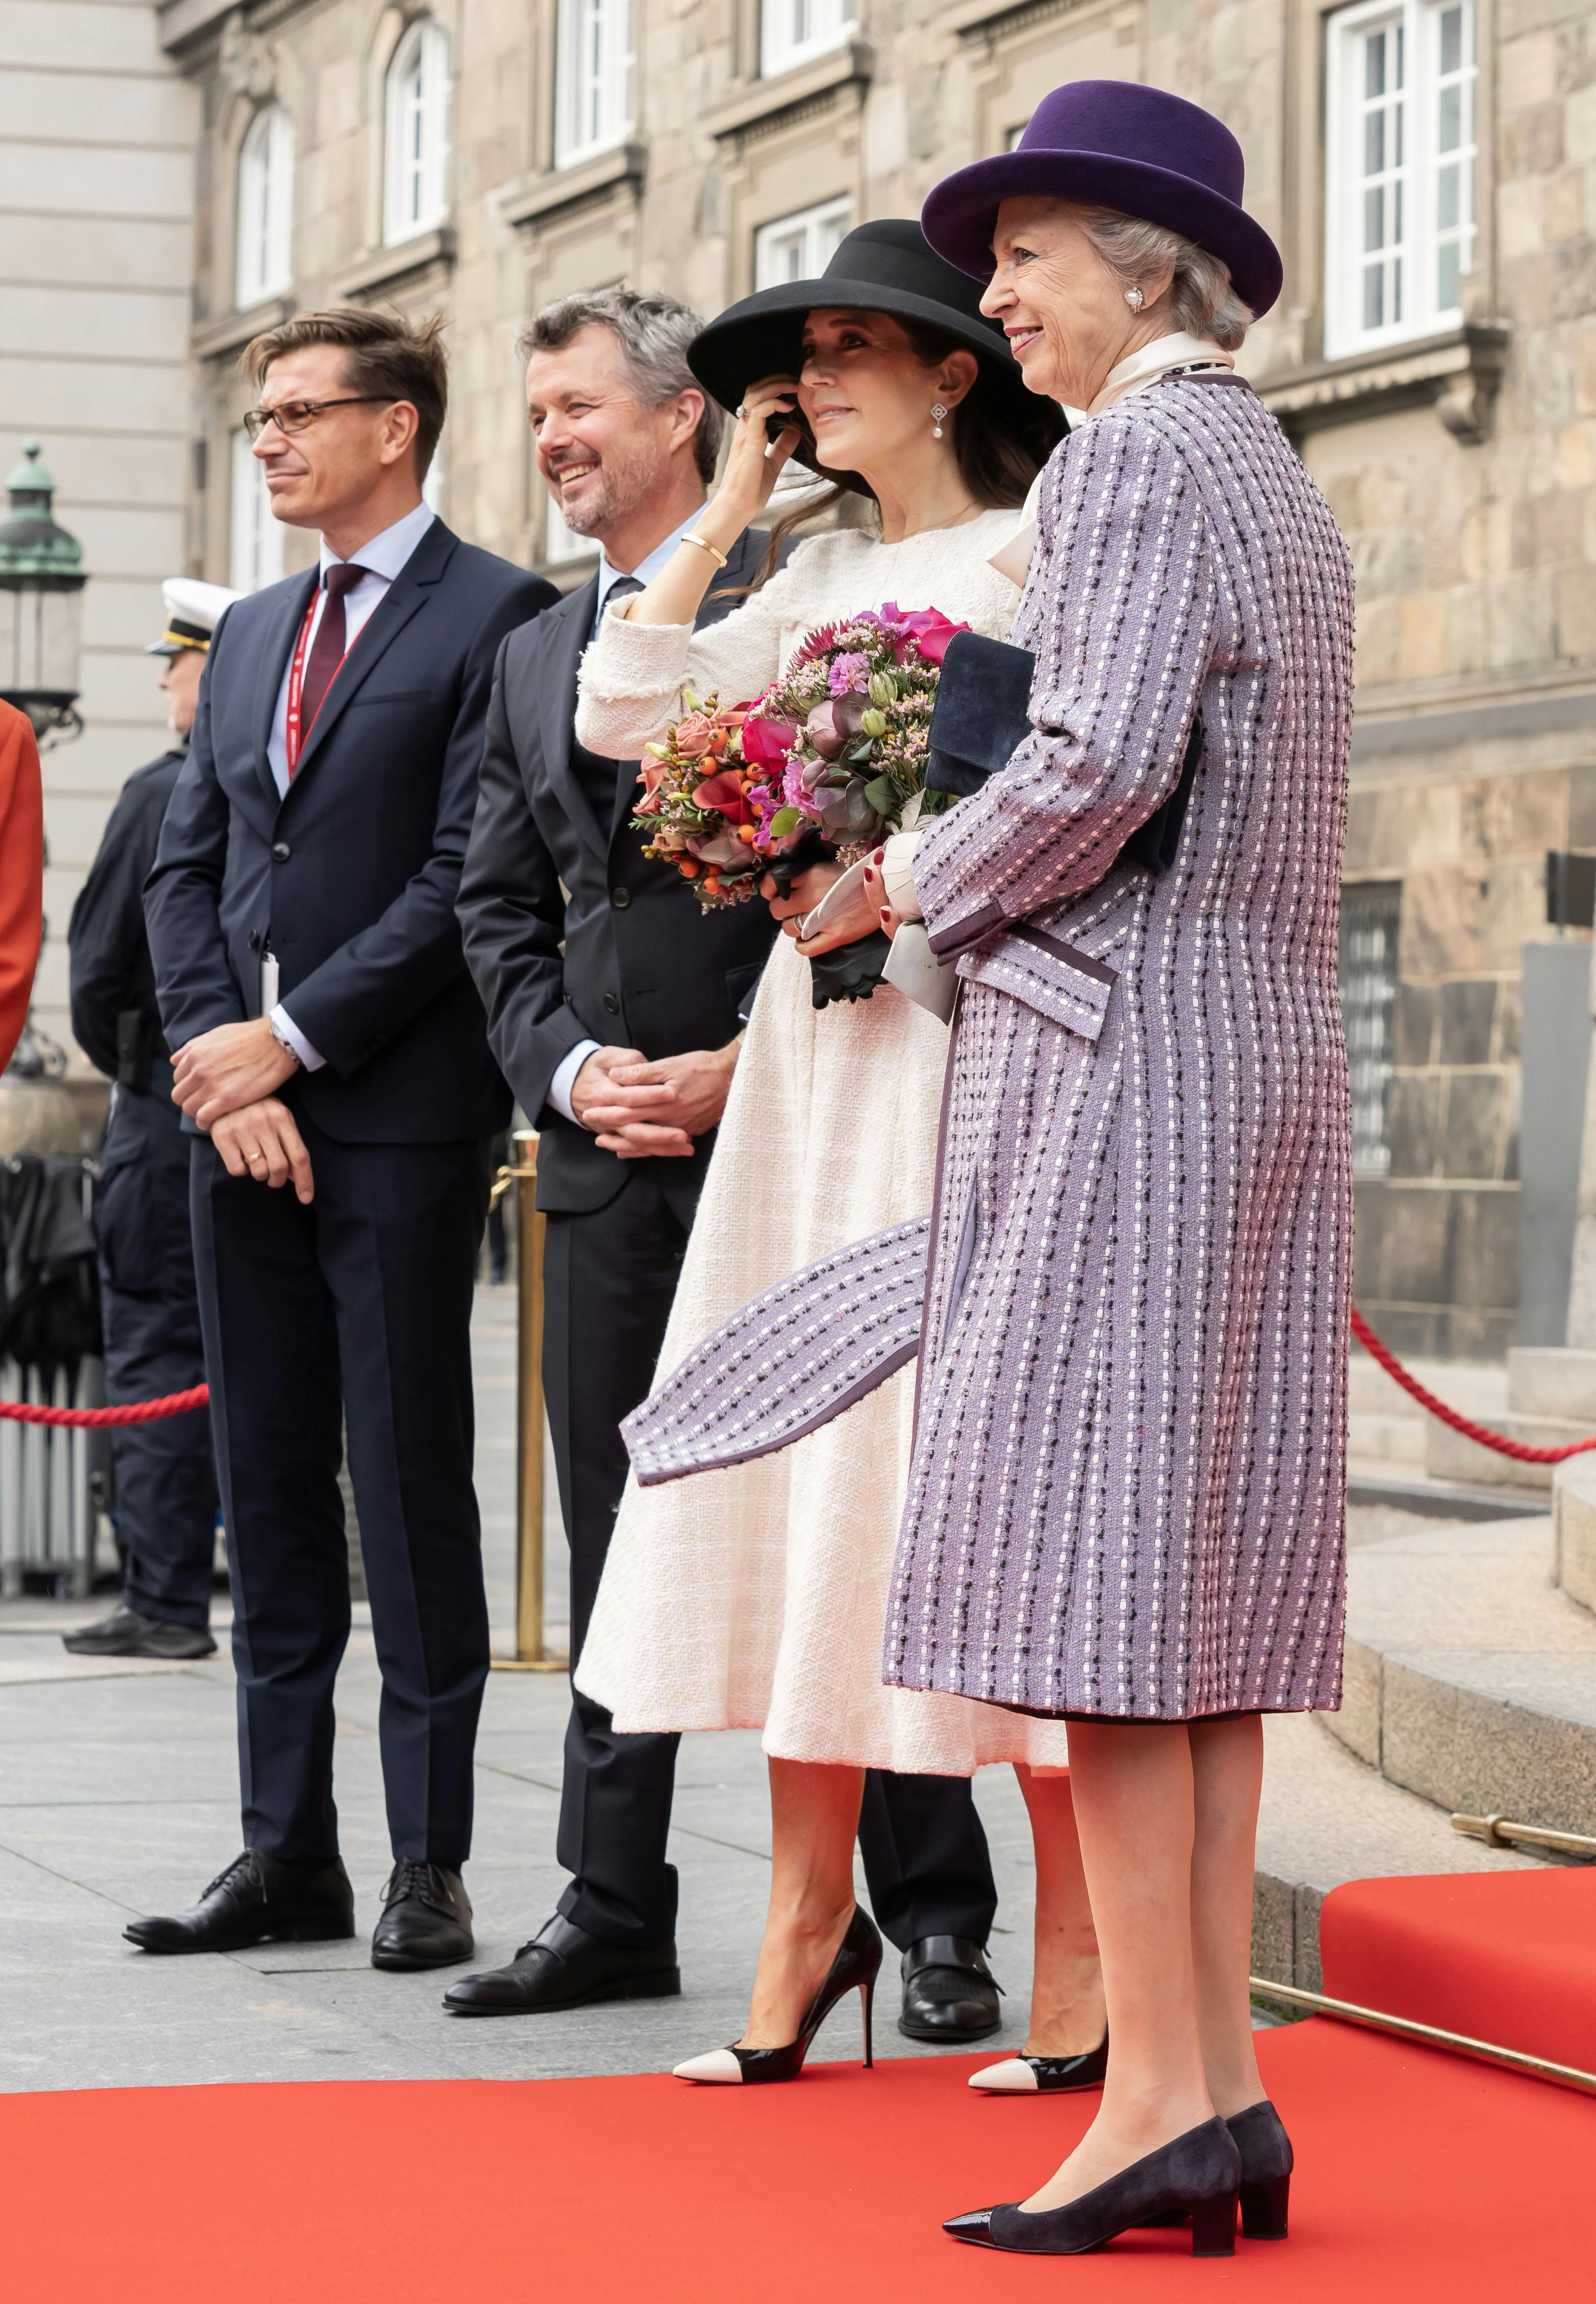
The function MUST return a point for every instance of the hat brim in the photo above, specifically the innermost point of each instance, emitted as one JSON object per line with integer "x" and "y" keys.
{"x": 764, "y": 334}
{"x": 960, "y": 216}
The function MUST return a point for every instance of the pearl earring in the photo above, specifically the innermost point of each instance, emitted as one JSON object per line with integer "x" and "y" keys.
{"x": 1133, "y": 297}
{"x": 937, "y": 413}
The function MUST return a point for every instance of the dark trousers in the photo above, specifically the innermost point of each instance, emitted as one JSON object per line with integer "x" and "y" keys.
{"x": 149, "y": 1311}
{"x": 357, "y": 1308}
{"x": 609, "y": 1279}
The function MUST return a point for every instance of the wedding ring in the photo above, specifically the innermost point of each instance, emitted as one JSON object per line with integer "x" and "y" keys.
{"x": 742, "y": 410}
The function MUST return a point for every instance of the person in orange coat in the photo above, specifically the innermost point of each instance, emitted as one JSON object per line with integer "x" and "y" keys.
{"x": 22, "y": 873}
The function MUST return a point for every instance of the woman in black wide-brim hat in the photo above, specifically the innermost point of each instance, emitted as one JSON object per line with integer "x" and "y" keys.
{"x": 757, "y": 1598}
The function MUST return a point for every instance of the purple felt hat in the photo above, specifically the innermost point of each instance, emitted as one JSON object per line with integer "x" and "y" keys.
{"x": 1115, "y": 144}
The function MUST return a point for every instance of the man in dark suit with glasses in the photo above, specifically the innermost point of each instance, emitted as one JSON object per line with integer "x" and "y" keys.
{"x": 330, "y": 1047}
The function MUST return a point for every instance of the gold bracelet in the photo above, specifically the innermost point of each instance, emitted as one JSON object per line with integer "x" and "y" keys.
{"x": 704, "y": 544}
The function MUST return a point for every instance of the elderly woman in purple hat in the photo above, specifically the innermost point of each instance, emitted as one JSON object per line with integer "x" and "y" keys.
{"x": 1126, "y": 1506}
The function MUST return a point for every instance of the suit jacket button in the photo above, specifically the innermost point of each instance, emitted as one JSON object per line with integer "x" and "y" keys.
{"x": 612, "y": 1005}
{"x": 281, "y": 851}
{"x": 621, "y": 898}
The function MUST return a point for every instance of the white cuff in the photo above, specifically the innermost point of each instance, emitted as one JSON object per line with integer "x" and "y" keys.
{"x": 311, "y": 1058}
{"x": 898, "y": 875}
{"x": 565, "y": 1078}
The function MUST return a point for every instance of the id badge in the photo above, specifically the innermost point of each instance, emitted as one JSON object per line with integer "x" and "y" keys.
{"x": 268, "y": 981}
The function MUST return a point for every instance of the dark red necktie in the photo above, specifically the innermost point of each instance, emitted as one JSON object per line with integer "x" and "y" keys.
{"x": 327, "y": 650}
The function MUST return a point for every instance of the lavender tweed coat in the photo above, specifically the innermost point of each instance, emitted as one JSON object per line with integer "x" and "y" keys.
{"x": 1129, "y": 1491}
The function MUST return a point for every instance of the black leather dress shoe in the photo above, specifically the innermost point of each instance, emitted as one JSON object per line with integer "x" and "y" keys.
{"x": 563, "y": 1967}
{"x": 426, "y": 1918}
{"x": 124, "y": 1632}
{"x": 949, "y": 1992}
{"x": 257, "y": 1899}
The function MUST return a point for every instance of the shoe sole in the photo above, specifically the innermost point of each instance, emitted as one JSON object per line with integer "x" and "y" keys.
{"x": 941, "y": 2038}
{"x": 408, "y": 1961}
{"x": 300, "y": 1932}
{"x": 145, "y": 1654}
{"x": 665, "y": 1986}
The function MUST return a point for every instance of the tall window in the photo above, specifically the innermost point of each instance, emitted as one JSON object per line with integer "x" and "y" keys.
{"x": 562, "y": 544}
{"x": 417, "y": 193}
{"x": 800, "y": 247}
{"x": 256, "y": 556}
{"x": 1371, "y": 916}
{"x": 266, "y": 208}
{"x": 1400, "y": 209}
{"x": 594, "y": 77}
{"x": 791, "y": 31}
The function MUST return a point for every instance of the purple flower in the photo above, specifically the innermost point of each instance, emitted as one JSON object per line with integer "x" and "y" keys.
{"x": 848, "y": 671}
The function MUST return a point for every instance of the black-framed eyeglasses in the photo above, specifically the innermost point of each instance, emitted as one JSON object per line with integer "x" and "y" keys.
{"x": 298, "y": 415}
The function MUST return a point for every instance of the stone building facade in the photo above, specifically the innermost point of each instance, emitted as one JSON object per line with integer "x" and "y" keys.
{"x": 1429, "y": 167}
{"x": 97, "y": 131}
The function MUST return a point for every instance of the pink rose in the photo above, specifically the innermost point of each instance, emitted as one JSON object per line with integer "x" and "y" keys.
{"x": 692, "y": 736}
{"x": 767, "y": 743}
{"x": 932, "y": 632}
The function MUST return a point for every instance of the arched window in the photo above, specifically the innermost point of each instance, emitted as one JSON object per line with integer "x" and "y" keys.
{"x": 418, "y": 133}
{"x": 266, "y": 208}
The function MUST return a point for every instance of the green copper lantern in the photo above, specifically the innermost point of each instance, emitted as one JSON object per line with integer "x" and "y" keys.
{"x": 41, "y": 606}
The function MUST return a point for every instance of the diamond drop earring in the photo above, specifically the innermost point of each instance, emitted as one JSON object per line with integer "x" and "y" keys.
{"x": 1133, "y": 297}
{"x": 937, "y": 413}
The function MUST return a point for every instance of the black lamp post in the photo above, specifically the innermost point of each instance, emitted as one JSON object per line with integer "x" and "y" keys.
{"x": 41, "y": 606}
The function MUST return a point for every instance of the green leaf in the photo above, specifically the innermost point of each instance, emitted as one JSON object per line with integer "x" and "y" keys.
{"x": 785, "y": 821}
{"x": 883, "y": 796}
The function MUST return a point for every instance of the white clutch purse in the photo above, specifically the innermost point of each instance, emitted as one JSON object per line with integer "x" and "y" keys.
{"x": 915, "y": 969}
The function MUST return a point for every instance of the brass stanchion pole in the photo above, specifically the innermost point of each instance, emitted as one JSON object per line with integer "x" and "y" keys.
{"x": 530, "y": 1654}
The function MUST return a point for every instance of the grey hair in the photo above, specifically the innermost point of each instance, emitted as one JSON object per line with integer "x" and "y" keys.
{"x": 653, "y": 332}
{"x": 1201, "y": 297}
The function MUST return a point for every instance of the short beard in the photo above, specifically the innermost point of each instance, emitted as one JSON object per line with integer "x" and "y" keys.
{"x": 624, "y": 478}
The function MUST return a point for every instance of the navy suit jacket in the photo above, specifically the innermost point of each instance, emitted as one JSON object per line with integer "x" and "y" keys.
{"x": 571, "y": 933}
{"x": 352, "y": 875}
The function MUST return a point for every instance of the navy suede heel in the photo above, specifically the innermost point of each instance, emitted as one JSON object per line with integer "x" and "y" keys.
{"x": 1198, "y": 2175}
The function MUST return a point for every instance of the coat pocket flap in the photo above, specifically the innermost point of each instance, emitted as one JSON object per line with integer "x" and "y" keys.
{"x": 1058, "y": 980}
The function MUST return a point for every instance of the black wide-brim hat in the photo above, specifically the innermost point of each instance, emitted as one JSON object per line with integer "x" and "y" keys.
{"x": 887, "y": 267}
{"x": 1115, "y": 144}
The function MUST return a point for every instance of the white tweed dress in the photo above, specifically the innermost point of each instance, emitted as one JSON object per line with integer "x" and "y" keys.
{"x": 757, "y": 1598}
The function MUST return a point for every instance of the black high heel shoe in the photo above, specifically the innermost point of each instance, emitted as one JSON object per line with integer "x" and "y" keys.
{"x": 1266, "y": 2164}
{"x": 854, "y": 1969}
{"x": 1198, "y": 2175}
{"x": 1025, "y": 2075}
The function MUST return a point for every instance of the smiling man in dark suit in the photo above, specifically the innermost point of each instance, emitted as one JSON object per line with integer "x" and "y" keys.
{"x": 330, "y": 1044}
{"x": 591, "y": 958}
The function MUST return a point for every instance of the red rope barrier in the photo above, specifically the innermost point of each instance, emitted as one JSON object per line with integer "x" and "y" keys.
{"x": 138, "y": 1411}
{"x": 1470, "y": 1431}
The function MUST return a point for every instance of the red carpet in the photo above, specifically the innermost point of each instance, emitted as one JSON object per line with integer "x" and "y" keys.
{"x": 1422, "y": 2178}
{"x": 1502, "y": 1956}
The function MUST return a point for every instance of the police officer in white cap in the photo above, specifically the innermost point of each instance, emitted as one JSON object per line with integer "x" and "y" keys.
{"x": 165, "y": 1476}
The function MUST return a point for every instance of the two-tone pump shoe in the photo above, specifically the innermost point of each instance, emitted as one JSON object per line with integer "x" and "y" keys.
{"x": 1044, "y": 2075}
{"x": 854, "y": 1969}
{"x": 1196, "y": 2175}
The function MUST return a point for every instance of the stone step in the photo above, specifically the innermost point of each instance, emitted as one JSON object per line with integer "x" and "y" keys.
{"x": 1326, "y": 1818}
{"x": 1543, "y": 1381}
{"x": 1574, "y": 1519}
{"x": 1471, "y": 1678}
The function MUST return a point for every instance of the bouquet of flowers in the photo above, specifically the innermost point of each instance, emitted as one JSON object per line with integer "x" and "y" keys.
{"x": 834, "y": 752}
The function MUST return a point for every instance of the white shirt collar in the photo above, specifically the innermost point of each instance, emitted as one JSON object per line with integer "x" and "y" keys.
{"x": 1180, "y": 349}
{"x": 646, "y": 569}
{"x": 386, "y": 553}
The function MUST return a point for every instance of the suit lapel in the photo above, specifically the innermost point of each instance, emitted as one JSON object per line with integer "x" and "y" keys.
{"x": 568, "y": 627}
{"x": 276, "y": 648}
{"x": 405, "y": 598}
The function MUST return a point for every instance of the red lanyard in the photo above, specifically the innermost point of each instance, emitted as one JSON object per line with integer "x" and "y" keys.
{"x": 293, "y": 734}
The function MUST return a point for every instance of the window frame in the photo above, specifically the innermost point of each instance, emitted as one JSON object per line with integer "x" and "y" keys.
{"x": 256, "y": 539}
{"x": 422, "y": 57}
{"x": 812, "y": 221}
{"x": 1347, "y": 333}
{"x": 265, "y": 220}
{"x": 781, "y": 51}
{"x": 1370, "y": 1146}
{"x": 614, "y": 80}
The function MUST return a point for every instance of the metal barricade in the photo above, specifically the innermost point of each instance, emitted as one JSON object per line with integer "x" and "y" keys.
{"x": 48, "y": 1514}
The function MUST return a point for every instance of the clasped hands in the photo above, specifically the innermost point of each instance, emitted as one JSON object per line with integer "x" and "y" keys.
{"x": 225, "y": 1080}
{"x": 642, "y": 1111}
